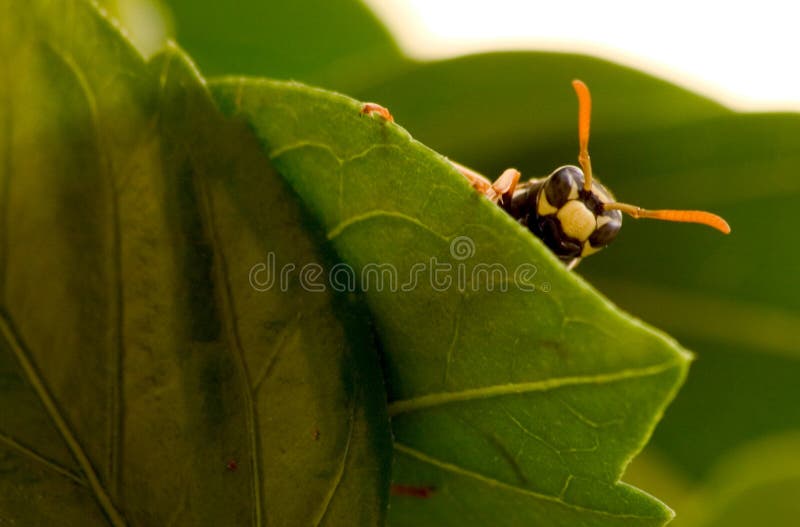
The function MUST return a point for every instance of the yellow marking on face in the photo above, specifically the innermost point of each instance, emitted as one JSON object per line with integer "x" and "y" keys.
{"x": 588, "y": 249}
{"x": 576, "y": 220}
{"x": 543, "y": 207}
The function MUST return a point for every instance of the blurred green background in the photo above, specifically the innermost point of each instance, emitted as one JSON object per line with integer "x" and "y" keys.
{"x": 728, "y": 449}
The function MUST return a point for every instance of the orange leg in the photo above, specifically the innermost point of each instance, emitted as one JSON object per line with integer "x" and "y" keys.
{"x": 504, "y": 186}
{"x": 370, "y": 108}
{"x": 502, "y": 189}
{"x": 478, "y": 182}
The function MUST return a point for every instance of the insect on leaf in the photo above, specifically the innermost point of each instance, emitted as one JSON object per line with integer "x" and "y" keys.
{"x": 516, "y": 397}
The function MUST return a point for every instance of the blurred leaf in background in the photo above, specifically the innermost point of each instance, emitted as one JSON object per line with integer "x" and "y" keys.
{"x": 755, "y": 484}
{"x": 338, "y": 44}
{"x": 147, "y": 23}
{"x": 486, "y": 110}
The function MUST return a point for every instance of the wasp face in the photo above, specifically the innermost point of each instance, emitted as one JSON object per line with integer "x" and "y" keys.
{"x": 573, "y": 214}
{"x": 571, "y": 220}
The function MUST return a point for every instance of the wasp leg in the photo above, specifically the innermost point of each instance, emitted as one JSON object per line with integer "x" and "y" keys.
{"x": 573, "y": 264}
{"x": 478, "y": 181}
{"x": 370, "y": 108}
{"x": 503, "y": 187}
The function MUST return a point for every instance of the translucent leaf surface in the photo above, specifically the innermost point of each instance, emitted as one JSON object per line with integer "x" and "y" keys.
{"x": 515, "y": 400}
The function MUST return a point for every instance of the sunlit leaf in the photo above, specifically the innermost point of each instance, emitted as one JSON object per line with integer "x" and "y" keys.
{"x": 510, "y": 403}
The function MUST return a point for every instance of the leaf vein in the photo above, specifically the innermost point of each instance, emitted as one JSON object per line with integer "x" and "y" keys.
{"x": 15, "y": 343}
{"x": 290, "y": 330}
{"x": 491, "y": 482}
{"x": 225, "y": 299}
{"x": 375, "y": 214}
{"x": 436, "y": 399}
{"x": 35, "y": 456}
{"x": 454, "y": 339}
{"x": 342, "y": 465}
{"x": 114, "y": 394}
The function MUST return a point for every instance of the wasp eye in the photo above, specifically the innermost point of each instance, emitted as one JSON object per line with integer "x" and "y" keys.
{"x": 563, "y": 185}
{"x": 608, "y": 225}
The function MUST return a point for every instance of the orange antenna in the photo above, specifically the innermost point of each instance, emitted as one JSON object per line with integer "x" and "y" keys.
{"x": 584, "y": 118}
{"x": 683, "y": 216}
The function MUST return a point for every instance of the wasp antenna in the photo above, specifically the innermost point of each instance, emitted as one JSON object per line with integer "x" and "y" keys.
{"x": 584, "y": 119}
{"x": 683, "y": 216}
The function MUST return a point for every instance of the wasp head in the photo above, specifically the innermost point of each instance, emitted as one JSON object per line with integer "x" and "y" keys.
{"x": 571, "y": 220}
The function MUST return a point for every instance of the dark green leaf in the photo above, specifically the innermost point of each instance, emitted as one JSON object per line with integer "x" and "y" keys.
{"x": 512, "y": 405}
{"x": 498, "y": 110}
{"x": 143, "y": 380}
{"x": 335, "y": 43}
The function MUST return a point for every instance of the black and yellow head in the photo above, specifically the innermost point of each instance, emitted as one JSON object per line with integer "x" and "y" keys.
{"x": 573, "y": 214}
{"x": 576, "y": 216}
{"x": 570, "y": 220}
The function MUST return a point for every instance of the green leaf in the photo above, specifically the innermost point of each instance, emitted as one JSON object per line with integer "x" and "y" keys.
{"x": 733, "y": 299}
{"x": 143, "y": 380}
{"x": 512, "y": 406}
{"x": 336, "y": 43}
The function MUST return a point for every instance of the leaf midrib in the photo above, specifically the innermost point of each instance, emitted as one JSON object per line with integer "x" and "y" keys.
{"x": 498, "y": 390}
{"x": 224, "y": 298}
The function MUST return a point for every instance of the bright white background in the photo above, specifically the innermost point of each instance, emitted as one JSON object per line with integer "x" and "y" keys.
{"x": 745, "y": 55}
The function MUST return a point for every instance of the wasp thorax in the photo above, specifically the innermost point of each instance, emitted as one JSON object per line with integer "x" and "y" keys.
{"x": 571, "y": 220}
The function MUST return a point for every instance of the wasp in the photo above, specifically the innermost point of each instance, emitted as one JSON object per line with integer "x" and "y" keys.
{"x": 570, "y": 211}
